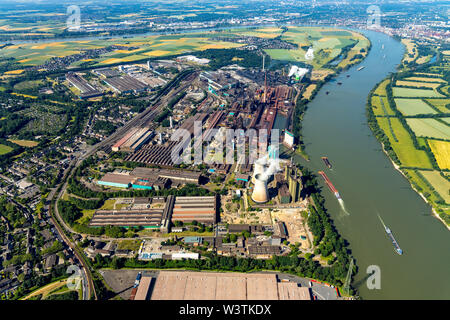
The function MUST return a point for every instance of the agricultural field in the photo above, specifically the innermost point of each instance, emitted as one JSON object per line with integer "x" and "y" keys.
{"x": 381, "y": 106}
{"x": 326, "y": 43}
{"x": 412, "y": 107}
{"x": 417, "y": 84}
{"x": 5, "y": 149}
{"x": 262, "y": 33}
{"x": 420, "y": 182}
{"x": 31, "y": 54}
{"x": 426, "y": 127}
{"x": 410, "y": 93}
{"x": 439, "y": 183}
{"x": 408, "y": 155}
{"x": 441, "y": 151}
{"x": 309, "y": 90}
{"x": 381, "y": 89}
{"x": 443, "y": 105}
{"x": 25, "y": 143}
{"x": 425, "y": 79}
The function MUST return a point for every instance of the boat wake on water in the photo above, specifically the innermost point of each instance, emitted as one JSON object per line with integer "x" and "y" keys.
{"x": 342, "y": 204}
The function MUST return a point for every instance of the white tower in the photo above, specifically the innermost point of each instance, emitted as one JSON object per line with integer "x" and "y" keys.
{"x": 260, "y": 193}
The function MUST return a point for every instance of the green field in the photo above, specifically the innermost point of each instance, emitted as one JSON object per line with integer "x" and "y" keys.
{"x": 440, "y": 104}
{"x": 381, "y": 89}
{"x": 408, "y": 155}
{"x": 407, "y": 92}
{"x": 418, "y": 180}
{"x": 412, "y": 107}
{"x": 439, "y": 183}
{"x": 4, "y": 149}
{"x": 327, "y": 45}
{"x": 377, "y": 105}
{"x": 425, "y": 127}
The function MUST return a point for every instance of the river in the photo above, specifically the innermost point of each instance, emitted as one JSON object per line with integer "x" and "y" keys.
{"x": 335, "y": 126}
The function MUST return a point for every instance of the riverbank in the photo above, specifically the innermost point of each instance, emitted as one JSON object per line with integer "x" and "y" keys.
{"x": 335, "y": 126}
{"x": 397, "y": 167}
{"x": 408, "y": 125}
{"x": 301, "y": 103}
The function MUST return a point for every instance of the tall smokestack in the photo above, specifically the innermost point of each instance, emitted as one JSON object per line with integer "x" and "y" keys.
{"x": 171, "y": 122}
{"x": 260, "y": 193}
{"x": 265, "y": 86}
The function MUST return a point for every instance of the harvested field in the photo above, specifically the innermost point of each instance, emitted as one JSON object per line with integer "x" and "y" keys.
{"x": 407, "y": 92}
{"x": 412, "y": 107}
{"x": 425, "y": 79}
{"x": 439, "y": 183}
{"x": 309, "y": 90}
{"x": 425, "y": 127}
{"x": 25, "y": 143}
{"x": 417, "y": 84}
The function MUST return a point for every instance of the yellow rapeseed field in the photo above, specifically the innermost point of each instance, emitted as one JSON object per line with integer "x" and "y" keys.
{"x": 441, "y": 151}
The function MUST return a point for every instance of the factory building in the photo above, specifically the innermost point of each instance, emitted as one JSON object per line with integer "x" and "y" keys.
{"x": 175, "y": 285}
{"x": 133, "y": 140}
{"x": 125, "y": 84}
{"x": 149, "y": 178}
{"x": 288, "y": 139}
{"x": 116, "y": 180}
{"x": 154, "y": 155}
{"x": 147, "y": 218}
{"x": 128, "y": 180}
{"x": 181, "y": 176}
{"x": 87, "y": 90}
{"x": 293, "y": 177}
{"x": 284, "y": 196}
{"x": 201, "y": 209}
{"x": 106, "y": 72}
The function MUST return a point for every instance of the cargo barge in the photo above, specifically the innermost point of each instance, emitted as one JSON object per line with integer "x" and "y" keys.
{"x": 391, "y": 237}
{"x": 327, "y": 162}
{"x": 360, "y": 68}
{"x": 330, "y": 185}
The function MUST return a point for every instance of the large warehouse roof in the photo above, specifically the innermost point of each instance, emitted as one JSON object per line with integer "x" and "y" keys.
{"x": 171, "y": 285}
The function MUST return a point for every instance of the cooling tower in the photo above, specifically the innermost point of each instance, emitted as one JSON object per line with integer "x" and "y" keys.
{"x": 259, "y": 167}
{"x": 260, "y": 193}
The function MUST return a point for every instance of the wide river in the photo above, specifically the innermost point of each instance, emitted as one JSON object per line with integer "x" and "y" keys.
{"x": 335, "y": 126}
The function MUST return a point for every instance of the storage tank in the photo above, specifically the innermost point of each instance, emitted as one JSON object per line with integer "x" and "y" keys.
{"x": 260, "y": 192}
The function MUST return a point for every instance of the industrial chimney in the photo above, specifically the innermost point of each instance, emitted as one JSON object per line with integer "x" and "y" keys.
{"x": 260, "y": 193}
